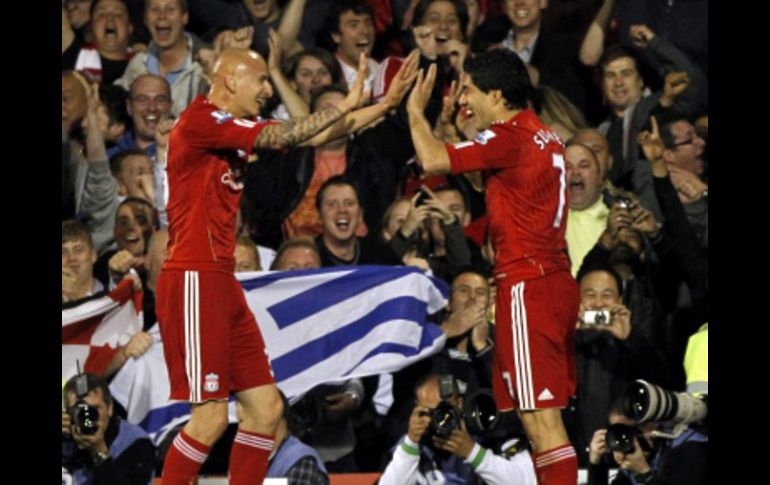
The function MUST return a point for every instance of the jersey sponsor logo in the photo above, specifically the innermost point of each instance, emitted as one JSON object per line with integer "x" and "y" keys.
{"x": 542, "y": 138}
{"x": 211, "y": 384}
{"x": 483, "y": 137}
{"x": 245, "y": 123}
{"x": 233, "y": 179}
{"x": 221, "y": 116}
{"x": 463, "y": 144}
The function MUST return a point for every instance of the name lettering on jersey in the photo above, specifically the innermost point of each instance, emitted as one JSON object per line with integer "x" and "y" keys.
{"x": 483, "y": 137}
{"x": 542, "y": 138}
{"x": 221, "y": 116}
{"x": 463, "y": 144}
{"x": 233, "y": 179}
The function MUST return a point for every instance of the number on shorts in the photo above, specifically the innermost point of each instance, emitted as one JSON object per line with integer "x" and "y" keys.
{"x": 508, "y": 383}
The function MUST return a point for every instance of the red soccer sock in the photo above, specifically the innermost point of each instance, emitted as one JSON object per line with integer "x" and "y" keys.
{"x": 557, "y": 466}
{"x": 248, "y": 457}
{"x": 183, "y": 460}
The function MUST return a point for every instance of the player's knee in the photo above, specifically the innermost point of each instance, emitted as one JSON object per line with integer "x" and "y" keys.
{"x": 543, "y": 423}
{"x": 208, "y": 427}
{"x": 264, "y": 415}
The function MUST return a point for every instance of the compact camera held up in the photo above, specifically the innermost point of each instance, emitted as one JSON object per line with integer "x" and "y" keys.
{"x": 597, "y": 317}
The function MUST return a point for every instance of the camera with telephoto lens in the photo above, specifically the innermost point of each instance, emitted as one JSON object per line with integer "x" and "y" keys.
{"x": 597, "y": 317}
{"x": 644, "y": 402}
{"x": 82, "y": 414}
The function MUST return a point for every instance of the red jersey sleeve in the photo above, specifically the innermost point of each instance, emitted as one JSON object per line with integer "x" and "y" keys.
{"x": 216, "y": 129}
{"x": 492, "y": 148}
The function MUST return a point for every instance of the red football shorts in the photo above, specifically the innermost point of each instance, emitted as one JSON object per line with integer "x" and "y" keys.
{"x": 534, "y": 359}
{"x": 211, "y": 340}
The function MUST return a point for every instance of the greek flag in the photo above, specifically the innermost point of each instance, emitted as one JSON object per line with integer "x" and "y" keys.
{"x": 319, "y": 325}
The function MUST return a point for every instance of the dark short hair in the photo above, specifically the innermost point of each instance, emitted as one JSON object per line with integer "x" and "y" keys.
{"x": 93, "y": 382}
{"x": 592, "y": 268}
{"x": 504, "y": 70}
{"x": 337, "y": 180}
{"x": 358, "y": 7}
{"x": 116, "y": 162}
{"x": 321, "y": 90}
{"x": 73, "y": 230}
{"x": 114, "y": 99}
{"x": 666, "y": 123}
{"x": 460, "y": 8}
{"x": 452, "y": 188}
{"x": 615, "y": 52}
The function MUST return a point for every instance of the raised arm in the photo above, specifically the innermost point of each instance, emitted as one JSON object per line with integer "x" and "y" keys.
{"x": 294, "y": 103}
{"x": 360, "y": 118}
{"x": 431, "y": 153}
{"x": 293, "y": 132}
{"x": 291, "y": 21}
{"x": 592, "y": 47}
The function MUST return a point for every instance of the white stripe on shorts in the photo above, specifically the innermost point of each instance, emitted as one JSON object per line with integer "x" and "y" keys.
{"x": 521, "y": 356}
{"x": 192, "y": 334}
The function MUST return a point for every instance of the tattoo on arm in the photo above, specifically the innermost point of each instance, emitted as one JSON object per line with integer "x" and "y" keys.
{"x": 297, "y": 130}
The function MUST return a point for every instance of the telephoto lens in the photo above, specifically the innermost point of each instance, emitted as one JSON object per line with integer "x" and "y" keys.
{"x": 645, "y": 402}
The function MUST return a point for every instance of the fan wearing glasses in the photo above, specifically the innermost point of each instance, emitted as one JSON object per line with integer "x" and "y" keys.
{"x": 684, "y": 154}
{"x": 149, "y": 102}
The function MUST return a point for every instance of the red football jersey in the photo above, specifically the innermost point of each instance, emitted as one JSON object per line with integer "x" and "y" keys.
{"x": 523, "y": 164}
{"x": 206, "y": 164}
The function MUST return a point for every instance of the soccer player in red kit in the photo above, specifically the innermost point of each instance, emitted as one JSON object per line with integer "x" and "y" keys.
{"x": 537, "y": 298}
{"x": 211, "y": 340}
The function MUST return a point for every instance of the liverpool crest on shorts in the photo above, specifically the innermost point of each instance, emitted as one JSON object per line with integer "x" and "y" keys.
{"x": 212, "y": 383}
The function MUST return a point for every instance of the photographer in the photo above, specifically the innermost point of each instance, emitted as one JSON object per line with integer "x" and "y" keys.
{"x": 467, "y": 353}
{"x": 431, "y": 453}
{"x": 98, "y": 447}
{"x": 611, "y": 350}
{"x": 644, "y": 459}
{"x": 424, "y": 232}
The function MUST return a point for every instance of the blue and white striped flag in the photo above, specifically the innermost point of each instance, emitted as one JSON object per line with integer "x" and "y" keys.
{"x": 319, "y": 325}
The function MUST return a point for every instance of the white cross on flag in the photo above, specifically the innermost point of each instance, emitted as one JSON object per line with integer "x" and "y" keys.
{"x": 93, "y": 331}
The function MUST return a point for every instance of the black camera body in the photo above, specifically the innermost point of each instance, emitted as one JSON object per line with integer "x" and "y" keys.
{"x": 82, "y": 414}
{"x": 422, "y": 198}
{"x": 620, "y": 437}
{"x": 444, "y": 419}
{"x": 85, "y": 417}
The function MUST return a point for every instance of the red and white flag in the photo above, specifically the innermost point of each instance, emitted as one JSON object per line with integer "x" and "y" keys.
{"x": 93, "y": 331}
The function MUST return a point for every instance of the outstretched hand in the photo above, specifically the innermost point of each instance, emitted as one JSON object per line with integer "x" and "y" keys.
{"x": 418, "y": 100}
